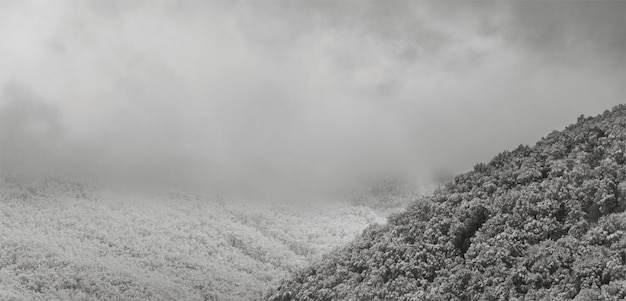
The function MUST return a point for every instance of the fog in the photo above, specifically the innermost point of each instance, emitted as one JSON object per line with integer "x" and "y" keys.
{"x": 295, "y": 95}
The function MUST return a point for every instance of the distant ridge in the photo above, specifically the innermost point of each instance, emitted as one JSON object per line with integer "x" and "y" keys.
{"x": 537, "y": 223}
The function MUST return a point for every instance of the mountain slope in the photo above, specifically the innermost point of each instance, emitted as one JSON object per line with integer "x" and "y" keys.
{"x": 66, "y": 241}
{"x": 537, "y": 223}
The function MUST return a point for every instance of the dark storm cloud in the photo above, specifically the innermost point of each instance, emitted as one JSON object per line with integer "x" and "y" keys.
{"x": 307, "y": 93}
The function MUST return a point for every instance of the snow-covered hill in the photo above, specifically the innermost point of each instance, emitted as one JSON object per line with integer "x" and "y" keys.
{"x": 64, "y": 241}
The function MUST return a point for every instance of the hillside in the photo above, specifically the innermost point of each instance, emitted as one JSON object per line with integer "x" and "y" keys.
{"x": 537, "y": 223}
{"x": 70, "y": 241}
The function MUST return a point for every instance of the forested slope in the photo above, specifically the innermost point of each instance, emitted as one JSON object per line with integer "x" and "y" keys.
{"x": 537, "y": 223}
{"x": 69, "y": 241}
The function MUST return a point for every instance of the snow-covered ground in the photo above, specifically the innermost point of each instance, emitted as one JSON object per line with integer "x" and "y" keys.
{"x": 66, "y": 242}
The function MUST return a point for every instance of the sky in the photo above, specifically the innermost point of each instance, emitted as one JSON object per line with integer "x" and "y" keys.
{"x": 257, "y": 95}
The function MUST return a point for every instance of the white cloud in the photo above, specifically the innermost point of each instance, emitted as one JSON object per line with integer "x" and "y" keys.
{"x": 248, "y": 92}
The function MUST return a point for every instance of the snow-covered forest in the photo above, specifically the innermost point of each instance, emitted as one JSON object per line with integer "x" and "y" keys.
{"x": 70, "y": 241}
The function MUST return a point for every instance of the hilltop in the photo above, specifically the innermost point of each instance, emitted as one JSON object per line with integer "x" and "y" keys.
{"x": 545, "y": 222}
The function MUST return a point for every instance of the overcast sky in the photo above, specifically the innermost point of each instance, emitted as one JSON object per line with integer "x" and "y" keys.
{"x": 241, "y": 92}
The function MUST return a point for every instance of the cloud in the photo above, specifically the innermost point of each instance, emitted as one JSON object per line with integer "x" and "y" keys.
{"x": 30, "y": 131}
{"x": 571, "y": 32}
{"x": 306, "y": 93}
